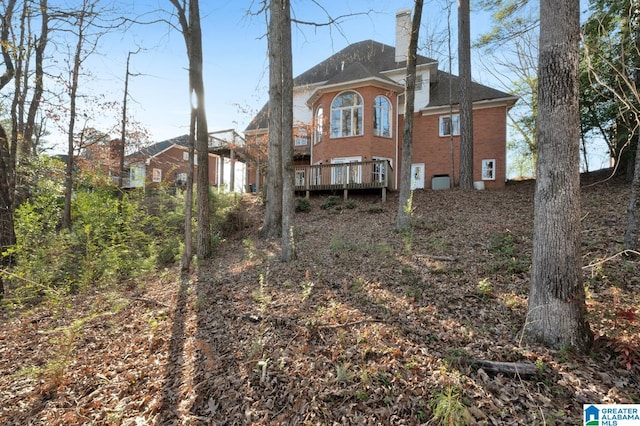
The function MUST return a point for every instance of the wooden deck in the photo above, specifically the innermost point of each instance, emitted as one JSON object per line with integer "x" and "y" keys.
{"x": 376, "y": 174}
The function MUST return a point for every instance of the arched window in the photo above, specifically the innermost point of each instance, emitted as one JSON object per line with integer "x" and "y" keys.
{"x": 319, "y": 124}
{"x": 346, "y": 115}
{"x": 382, "y": 117}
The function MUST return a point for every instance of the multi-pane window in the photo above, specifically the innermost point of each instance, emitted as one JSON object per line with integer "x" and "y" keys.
{"x": 489, "y": 169}
{"x": 319, "y": 124}
{"x": 185, "y": 157}
{"x": 382, "y": 117}
{"x": 156, "y": 175}
{"x": 181, "y": 178}
{"x": 380, "y": 169}
{"x": 300, "y": 178}
{"x": 450, "y": 125}
{"x": 346, "y": 115}
{"x": 300, "y": 137}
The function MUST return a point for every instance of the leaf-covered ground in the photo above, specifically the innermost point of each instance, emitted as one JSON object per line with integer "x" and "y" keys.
{"x": 367, "y": 327}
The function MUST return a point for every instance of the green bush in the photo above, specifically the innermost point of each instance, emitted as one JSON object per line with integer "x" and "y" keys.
{"x": 331, "y": 201}
{"x": 350, "y": 204}
{"x": 303, "y": 205}
{"x": 112, "y": 238}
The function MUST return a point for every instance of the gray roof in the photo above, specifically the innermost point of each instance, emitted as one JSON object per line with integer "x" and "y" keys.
{"x": 158, "y": 147}
{"x": 439, "y": 91}
{"x": 365, "y": 59}
{"x": 372, "y": 55}
{"x": 357, "y": 71}
{"x": 368, "y": 59}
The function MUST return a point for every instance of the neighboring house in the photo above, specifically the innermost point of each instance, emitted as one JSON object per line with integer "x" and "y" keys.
{"x": 103, "y": 156}
{"x": 167, "y": 162}
{"x": 348, "y": 120}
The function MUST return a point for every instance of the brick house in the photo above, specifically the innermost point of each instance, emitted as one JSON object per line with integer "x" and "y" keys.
{"x": 167, "y": 162}
{"x": 348, "y": 119}
{"x": 164, "y": 164}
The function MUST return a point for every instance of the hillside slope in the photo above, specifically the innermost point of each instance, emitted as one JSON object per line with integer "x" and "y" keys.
{"x": 367, "y": 326}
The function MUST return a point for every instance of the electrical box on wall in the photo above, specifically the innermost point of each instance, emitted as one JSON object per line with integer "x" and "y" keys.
{"x": 440, "y": 182}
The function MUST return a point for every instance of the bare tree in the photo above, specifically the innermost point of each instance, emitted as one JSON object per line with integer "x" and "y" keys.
{"x": 123, "y": 132}
{"x": 188, "y": 13}
{"x": 40, "y": 44}
{"x": 7, "y": 150}
{"x": 272, "y": 225}
{"x": 281, "y": 133}
{"x": 403, "y": 220}
{"x": 280, "y": 35}
{"x": 187, "y": 253}
{"x": 80, "y": 21}
{"x": 556, "y": 314}
{"x": 18, "y": 54}
{"x": 466, "y": 100}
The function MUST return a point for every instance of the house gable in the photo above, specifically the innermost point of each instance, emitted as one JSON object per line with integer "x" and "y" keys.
{"x": 365, "y": 123}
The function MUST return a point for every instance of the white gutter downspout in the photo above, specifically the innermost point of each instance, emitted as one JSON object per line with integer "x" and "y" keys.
{"x": 397, "y": 133}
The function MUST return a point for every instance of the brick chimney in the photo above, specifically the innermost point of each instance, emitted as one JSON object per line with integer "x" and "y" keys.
{"x": 403, "y": 29}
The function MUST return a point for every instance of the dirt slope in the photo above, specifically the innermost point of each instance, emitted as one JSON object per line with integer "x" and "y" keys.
{"x": 368, "y": 326}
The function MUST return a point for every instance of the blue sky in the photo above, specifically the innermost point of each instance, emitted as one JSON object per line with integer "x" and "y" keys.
{"x": 235, "y": 58}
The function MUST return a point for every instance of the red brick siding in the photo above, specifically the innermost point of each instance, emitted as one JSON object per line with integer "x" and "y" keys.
{"x": 489, "y": 142}
{"x": 366, "y": 146}
{"x": 489, "y": 130}
{"x": 171, "y": 162}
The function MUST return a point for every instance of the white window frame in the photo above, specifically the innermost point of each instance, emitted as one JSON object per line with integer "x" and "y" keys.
{"x": 381, "y": 111}
{"x": 489, "y": 169}
{"x": 181, "y": 178}
{"x": 354, "y": 173}
{"x": 156, "y": 175}
{"x": 444, "y": 128}
{"x": 300, "y": 137}
{"x": 347, "y": 120}
{"x": 185, "y": 157}
{"x": 380, "y": 170}
{"x": 319, "y": 125}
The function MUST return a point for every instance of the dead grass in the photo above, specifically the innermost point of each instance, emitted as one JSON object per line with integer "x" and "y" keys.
{"x": 366, "y": 327}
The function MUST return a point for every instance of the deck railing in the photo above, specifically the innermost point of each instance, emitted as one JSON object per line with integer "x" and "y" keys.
{"x": 375, "y": 174}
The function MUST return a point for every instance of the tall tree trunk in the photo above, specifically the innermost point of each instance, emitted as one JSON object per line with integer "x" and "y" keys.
{"x": 34, "y": 106}
{"x": 272, "y": 226}
{"x": 123, "y": 131}
{"x": 631, "y": 233}
{"x": 7, "y": 161}
{"x": 288, "y": 249}
{"x": 187, "y": 253}
{"x": 466, "y": 101}
{"x": 73, "y": 91}
{"x": 192, "y": 34}
{"x": 403, "y": 220}
{"x": 7, "y": 230}
{"x": 203, "y": 243}
{"x": 556, "y": 314}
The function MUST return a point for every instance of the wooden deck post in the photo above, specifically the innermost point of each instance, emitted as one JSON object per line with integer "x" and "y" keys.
{"x": 307, "y": 178}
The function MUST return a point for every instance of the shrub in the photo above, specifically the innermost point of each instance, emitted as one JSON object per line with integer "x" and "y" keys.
{"x": 303, "y": 205}
{"x": 111, "y": 239}
{"x": 331, "y": 201}
{"x": 350, "y": 204}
